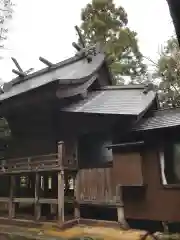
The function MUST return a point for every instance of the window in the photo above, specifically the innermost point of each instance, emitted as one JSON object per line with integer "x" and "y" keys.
{"x": 170, "y": 164}
{"x": 24, "y": 180}
{"x": 49, "y": 183}
{"x": 93, "y": 151}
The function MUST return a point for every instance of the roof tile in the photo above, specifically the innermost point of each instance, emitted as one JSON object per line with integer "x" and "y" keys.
{"x": 160, "y": 119}
{"x": 115, "y": 101}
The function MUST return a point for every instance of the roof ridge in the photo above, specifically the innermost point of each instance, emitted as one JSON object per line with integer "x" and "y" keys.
{"x": 78, "y": 56}
{"x": 60, "y": 64}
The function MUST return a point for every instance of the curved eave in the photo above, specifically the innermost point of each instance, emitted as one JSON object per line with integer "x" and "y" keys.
{"x": 174, "y": 8}
{"x": 77, "y": 73}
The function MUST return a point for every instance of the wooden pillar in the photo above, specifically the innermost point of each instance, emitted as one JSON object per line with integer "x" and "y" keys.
{"x": 45, "y": 208}
{"x": 31, "y": 185}
{"x": 66, "y": 181}
{"x": 45, "y": 191}
{"x": 61, "y": 196}
{"x": 11, "y": 203}
{"x": 76, "y": 196}
{"x": 54, "y": 193}
{"x": 36, "y": 195}
{"x": 165, "y": 227}
{"x": 61, "y": 152}
{"x": 120, "y": 207}
{"x": 54, "y": 185}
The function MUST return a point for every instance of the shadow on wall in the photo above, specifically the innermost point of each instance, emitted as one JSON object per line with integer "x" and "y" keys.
{"x": 5, "y": 136}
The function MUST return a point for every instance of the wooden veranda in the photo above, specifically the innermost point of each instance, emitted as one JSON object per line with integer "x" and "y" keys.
{"x": 35, "y": 167}
{"x": 97, "y": 187}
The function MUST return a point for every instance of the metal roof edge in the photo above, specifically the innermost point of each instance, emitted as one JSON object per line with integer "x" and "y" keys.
{"x": 124, "y": 87}
{"x": 125, "y": 144}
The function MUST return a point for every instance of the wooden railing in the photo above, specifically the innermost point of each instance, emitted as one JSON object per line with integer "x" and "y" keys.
{"x": 58, "y": 162}
{"x": 64, "y": 159}
{"x": 29, "y": 164}
{"x": 50, "y": 162}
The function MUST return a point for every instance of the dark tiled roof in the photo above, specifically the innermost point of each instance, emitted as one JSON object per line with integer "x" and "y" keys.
{"x": 160, "y": 119}
{"x": 115, "y": 100}
{"x": 76, "y": 70}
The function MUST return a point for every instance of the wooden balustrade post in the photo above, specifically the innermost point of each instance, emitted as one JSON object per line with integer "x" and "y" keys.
{"x": 11, "y": 203}
{"x": 61, "y": 152}
{"x": 54, "y": 193}
{"x": 37, "y": 204}
{"x": 120, "y": 206}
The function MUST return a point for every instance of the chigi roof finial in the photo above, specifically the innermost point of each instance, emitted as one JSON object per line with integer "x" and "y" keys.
{"x": 82, "y": 49}
{"x": 81, "y": 39}
{"x": 18, "y": 72}
{"x": 46, "y": 62}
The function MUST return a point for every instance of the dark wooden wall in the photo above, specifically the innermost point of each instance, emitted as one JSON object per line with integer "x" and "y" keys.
{"x": 156, "y": 202}
{"x": 24, "y": 147}
{"x": 100, "y": 184}
{"x": 127, "y": 169}
{"x": 96, "y": 185}
{"x": 33, "y": 133}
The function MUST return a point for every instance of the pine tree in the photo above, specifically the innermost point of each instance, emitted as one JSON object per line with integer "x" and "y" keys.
{"x": 6, "y": 11}
{"x": 168, "y": 71}
{"x": 106, "y": 24}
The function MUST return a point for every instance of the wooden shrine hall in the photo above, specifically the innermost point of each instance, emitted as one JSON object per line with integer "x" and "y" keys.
{"x": 62, "y": 118}
{"x": 75, "y": 148}
{"x": 78, "y": 149}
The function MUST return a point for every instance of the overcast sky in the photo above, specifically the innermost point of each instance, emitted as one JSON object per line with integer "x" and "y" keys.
{"x": 46, "y": 28}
